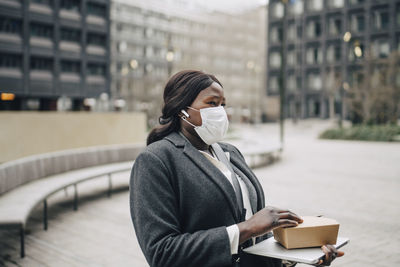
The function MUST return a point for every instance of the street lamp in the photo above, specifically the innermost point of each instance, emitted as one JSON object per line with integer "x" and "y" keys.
{"x": 251, "y": 69}
{"x": 357, "y": 50}
{"x": 282, "y": 75}
{"x": 170, "y": 58}
{"x": 133, "y": 64}
{"x": 347, "y": 37}
{"x": 345, "y": 86}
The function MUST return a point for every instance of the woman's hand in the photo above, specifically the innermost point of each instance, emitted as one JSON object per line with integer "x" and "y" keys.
{"x": 330, "y": 254}
{"x": 266, "y": 220}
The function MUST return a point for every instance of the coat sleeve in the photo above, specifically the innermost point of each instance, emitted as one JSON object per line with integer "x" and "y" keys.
{"x": 155, "y": 216}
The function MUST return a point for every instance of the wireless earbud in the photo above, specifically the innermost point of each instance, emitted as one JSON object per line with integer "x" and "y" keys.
{"x": 185, "y": 113}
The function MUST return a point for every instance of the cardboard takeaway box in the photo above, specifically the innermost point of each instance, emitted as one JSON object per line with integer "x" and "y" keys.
{"x": 313, "y": 232}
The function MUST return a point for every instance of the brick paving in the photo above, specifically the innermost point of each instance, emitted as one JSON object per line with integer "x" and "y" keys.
{"x": 356, "y": 183}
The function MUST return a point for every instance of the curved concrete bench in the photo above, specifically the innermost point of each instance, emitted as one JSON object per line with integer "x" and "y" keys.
{"x": 262, "y": 156}
{"x": 27, "y": 182}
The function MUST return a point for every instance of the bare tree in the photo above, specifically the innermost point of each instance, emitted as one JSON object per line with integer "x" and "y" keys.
{"x": 374, "y": 96}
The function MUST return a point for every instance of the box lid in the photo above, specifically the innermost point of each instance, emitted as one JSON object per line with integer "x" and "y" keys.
{"x": 312, "y": 221}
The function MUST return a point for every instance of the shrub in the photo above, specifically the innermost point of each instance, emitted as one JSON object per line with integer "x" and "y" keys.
{"x": 383, "y": 133}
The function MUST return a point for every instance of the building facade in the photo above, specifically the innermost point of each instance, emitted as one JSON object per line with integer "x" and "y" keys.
{"x": 151, "y": 40}
{"x": 52, "y": 50}
{"x": 326, "y": 46}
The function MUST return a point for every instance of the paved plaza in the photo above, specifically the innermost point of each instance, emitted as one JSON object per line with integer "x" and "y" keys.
{"x": 355, "y": 183}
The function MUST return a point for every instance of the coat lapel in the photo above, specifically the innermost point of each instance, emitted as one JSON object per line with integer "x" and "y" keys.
{"x": 239, "y": 163}
{"x": 215, "y": 175}
{"x": 250, "y": 188}
{"x": 209, "y": 169}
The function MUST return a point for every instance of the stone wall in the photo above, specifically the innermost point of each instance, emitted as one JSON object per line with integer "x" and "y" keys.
{"x": 27, "y": 133}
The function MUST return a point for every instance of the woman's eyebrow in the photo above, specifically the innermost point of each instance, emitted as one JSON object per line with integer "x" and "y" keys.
{"x": 214, "y": 96}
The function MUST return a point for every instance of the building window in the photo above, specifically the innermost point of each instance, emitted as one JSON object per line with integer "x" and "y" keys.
{"x": 380, "y": 19}
{"x": 273, "y": 84}
{"x": 398, "y": 15}
{"x": 70, "y": 66}
{"x": 96, "y": 9}
{"x": 356, "y": 2}
{"x": 41, "y": 30}
{"x": 71, "y": 35}
{"x": 315, "y": 5}
{"x": 9, "y": 25}
{"x": 380, "y": 48}
{"x": 333, "y": 53}
{"x": 291, "y": 58}
{"x": 333, "y": 80}
{"x": 299, "y": 58}
{"x": 314, "y": 29}
{"x": 276, "y": 34}
{"x": 96, "y": 39}
{"x": 291, "y": 82}
{"x": 334, "y": 26}
{"x": 356, "y": 77}
{"x": 96, "y": 69}
{"x": 335, "y": 3}
{"x": 277, "y": 10}
{"x": 296, "y": 7}
{"x": 397, "y": 81}
{"x": 398, "y": 43}
{"x": 299, "y": 32}
{"x": 291, "y": 32}
{"x": 314, "y": 55}
{"x": 71, "y": 5}
{"x": 43, "y": 2}
{"x": 314, "y": 81}
{"x": 10, "y": 61}
{"x": 275, "y": 60}
{"x": 149, "y": 51}
{"x": 40, "y": 63}
{"x": 357, "y": 22}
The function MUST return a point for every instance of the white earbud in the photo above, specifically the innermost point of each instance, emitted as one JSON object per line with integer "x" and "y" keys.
{"x": 185, "y": 113}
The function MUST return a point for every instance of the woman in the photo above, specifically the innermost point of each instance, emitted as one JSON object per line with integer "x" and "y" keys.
{"x": 195, "y": 202}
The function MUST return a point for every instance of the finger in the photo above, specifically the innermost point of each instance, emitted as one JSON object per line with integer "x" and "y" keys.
{"x": 286, "y": 223}
{"x": 298, "y": 218}
{"x": 291, "y": 216}
{"x": 331, "y": 248}
{"x": 340, "y": 253}
{"x": 332, "y": 251}
{"x": 278, "y": 210}
{"x": 335, "y": 252}
{"x": 328, "y": 255}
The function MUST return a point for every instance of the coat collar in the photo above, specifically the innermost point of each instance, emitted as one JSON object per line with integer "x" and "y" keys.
{"x": 176, "y": 139}
{"x": 238, "y": 162}
{"x": 208, "y": 168}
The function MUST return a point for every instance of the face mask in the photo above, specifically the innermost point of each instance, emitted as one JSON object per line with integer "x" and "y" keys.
{"x": 214, "y": 124}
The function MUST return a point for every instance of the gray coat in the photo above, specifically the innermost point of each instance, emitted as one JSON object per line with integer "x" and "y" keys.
{"x": 181, "y": 204}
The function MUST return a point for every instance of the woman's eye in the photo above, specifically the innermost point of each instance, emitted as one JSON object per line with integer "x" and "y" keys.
{"x": 212, "y": 103}
{"x": 223, "y": 104}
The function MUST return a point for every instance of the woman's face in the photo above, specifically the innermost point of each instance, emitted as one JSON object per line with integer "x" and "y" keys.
{"x": 212, "y": 96}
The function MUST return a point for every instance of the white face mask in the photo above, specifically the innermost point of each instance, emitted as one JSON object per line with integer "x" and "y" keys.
{"x": 214, "y": 124}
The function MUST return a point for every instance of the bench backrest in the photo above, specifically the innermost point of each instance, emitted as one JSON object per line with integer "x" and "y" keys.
{"x": 24, "y": 170}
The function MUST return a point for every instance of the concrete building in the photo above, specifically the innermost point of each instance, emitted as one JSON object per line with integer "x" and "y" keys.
{"x": 326, "y": 45}
{"x": 51, "y": 51}
{"x": 153, "y": 39}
